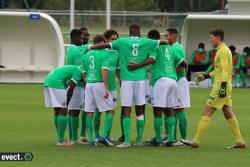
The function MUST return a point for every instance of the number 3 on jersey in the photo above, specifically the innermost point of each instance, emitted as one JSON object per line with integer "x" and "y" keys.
{"x": 92, "y": 61}
{"x": 135, "y": 49}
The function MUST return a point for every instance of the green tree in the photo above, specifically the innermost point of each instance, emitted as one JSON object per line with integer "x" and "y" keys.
{"x": 134, "y": 5}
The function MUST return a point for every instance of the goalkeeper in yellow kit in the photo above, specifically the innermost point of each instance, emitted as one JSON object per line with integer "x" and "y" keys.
{"x": 220, "y": 96}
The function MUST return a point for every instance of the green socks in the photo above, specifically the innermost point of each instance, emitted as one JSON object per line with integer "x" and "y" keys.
{"x": 74, "y": 128}
{"x": 83, "y": 129}
{"x": 175, "y": 125}
{"x": 127, "y": 127}
{"x": 170, "y": 123}
{"x": 182, "y": 117}
{"x": 62, "y": 124}
{"x": 97, "y": 122}
{"x": 158, "y": 128}
{"x": 140, "y": 127}
{"x": 89, "y": 126}
{"x": 56, "y": 122}
{"x": 107, "y": 124}
{"x": 121, "y": 124}
{"x": 69, "y": 126}
{"x": 165, "y": 125}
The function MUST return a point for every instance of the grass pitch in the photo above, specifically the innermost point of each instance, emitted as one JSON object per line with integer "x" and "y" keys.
{"x": 27, "y": 126}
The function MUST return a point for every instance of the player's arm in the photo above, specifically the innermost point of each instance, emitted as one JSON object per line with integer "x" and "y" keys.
{"x": 183, "y": 64}
{"x": 98, "y": 46}
{"x": 133, "y": 66}
{"x": 72, "y": 85}
{"x": 104, "y": 72}
{"x": 83, "y": 73}
{"x": 162, "y": 42}
{"x": 224, "y": 65}
{"x": 224, "y": 73}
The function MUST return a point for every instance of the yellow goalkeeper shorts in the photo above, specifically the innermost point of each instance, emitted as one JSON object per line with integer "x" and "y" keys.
{"x": 215, "y": 101}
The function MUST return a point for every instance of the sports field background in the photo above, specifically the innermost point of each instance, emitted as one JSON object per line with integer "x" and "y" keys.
{"x": 27, "y": 126}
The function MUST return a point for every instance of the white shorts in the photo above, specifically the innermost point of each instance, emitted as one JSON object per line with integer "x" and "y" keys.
{"x": 133, "y": 92}
{"x": 113, "y": 94}
{"x": 183, "y": 94}
{"x": 94, "y": 98}
{"x": 55, "y": 97}
{"x": 77, "y": 99}
{"x": 165, "y": 93}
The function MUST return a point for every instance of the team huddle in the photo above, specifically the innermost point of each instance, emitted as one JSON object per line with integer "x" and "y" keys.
{"x": 149, "y": 70}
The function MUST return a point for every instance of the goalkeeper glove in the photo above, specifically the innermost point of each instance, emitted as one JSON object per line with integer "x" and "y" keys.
{"x": 223, "y": 90}
{"x": 200, "y": 76}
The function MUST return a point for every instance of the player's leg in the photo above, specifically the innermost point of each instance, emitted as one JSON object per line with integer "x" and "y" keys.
{"x": 69, "y": 125}
{"x": 83, "y": 127}
{"x": 62, "y": 125}
{"x": 104, "y": 105}
{"x": 90, "y": 108}
{"x": 97, "y": 123}
{"x": 126, "y": 127}
{"x": 157, "y": 126}
{"x": 182, "y": 117}
{"x": 234, "y": 125}
{"x": 74, "y": 119}
{"x": 170, "y": 121}
{"x": 139, "y": 94}
{"x": 183, "y": 102}
{"x": 140, "y": 122}
{"x": 56, "y": 114}
{"x": 165, "y": 137}
{"x": 126, "y": 102}
{"x": 121, "y": 138}
{"x": 175, "y": 125}
{"x": 114, "y": 98}
{"x": 108, "y": 122}
{"x": 171, "y": 102}
{"x": 75, "y": 105}
{"x": 89, "y": 127}
{"x": 56, "y": 98}
{"x": 202, "y": 126}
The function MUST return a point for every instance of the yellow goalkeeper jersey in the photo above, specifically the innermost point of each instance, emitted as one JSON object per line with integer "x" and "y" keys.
{"x": 223, "y": 65}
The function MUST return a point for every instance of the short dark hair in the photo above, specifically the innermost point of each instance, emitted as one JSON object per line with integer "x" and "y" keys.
{"x": 99, "y": 39}
{"x": 246, "y": 49}
{"x": 134, "y": 29}
{"x": 201, "y": 45}
{"x": 154, "y": 34}
{"x": 108, "y": 33}
{"x": 134, "y": 26}
{"x": 75, "y": 33}
{"x": 217, "y": 33}
{"x": 172, "y": 31}
{"x": 83, "y": 29}
{"x": 232, "y": 48}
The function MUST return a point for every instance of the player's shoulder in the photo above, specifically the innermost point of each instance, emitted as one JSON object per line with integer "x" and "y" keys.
{"x": 164, "y": 47}
{"x": 84, "y": 47}
{"x": 72, "y": 47}
{"x": 178, "y": 46}
{"x": 223, "y": 49}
